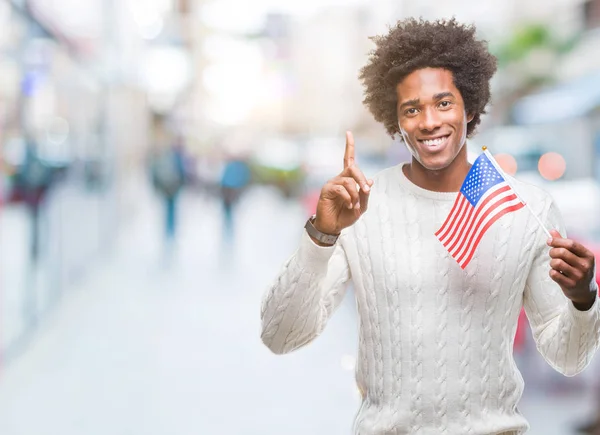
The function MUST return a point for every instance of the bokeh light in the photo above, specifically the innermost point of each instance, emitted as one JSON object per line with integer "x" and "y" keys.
{"x": 507, "y": 163}
{"x": 552, "y": 166}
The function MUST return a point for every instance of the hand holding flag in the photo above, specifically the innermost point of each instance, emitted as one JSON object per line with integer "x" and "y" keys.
{"x": 573, "y": 268}
{"x": 485, "y": 196}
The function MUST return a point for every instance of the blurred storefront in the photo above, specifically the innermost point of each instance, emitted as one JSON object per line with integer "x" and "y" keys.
{"x": 561, "y": 118}
{"x": 72, "y": 129}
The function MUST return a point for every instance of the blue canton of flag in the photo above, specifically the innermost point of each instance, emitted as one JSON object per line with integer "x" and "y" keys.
{"x": 484, "y": 197}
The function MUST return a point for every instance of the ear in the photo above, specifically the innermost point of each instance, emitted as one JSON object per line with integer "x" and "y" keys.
{"x": 470, "y": 118}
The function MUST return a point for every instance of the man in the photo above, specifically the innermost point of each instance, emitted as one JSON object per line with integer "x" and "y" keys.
{"x": 169, "y": 177}
{"x": 235, "y": 179}
{"x": 435, "y": 341}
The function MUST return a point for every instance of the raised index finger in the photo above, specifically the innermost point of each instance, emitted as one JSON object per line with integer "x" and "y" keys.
{"x": 349, "y": 153}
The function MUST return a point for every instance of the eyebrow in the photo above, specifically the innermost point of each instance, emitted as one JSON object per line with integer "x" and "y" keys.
{"x": 416, "y": 101}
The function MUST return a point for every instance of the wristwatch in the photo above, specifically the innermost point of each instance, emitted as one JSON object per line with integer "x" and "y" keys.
{"x": 326, "y": 239}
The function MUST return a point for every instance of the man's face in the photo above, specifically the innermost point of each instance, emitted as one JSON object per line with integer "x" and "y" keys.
{"x": 431, "y": 117}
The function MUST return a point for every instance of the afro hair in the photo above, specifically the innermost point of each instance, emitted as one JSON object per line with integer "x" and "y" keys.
{"x": 415, "y": 44}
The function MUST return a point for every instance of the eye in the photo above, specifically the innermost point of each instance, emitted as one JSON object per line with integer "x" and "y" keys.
{"x": 445, "y": 104}
{"x": 411, "y": 111}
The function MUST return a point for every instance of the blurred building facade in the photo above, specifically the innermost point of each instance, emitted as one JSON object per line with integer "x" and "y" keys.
{"x": 72, "y": 107}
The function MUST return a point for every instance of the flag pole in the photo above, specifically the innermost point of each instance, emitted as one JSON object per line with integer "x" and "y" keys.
{"x": 499, "y": 169}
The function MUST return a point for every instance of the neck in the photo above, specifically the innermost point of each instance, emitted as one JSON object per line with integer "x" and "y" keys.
{"x": 448, "y": 179}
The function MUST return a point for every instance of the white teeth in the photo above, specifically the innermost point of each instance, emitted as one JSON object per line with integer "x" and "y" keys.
{"x": 434, "y": 142}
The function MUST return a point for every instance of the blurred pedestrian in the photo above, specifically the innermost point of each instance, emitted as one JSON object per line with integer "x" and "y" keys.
{"x": 234, "y": 180}
{"x": 436, "y": 334}
{"x": 32, "y": 181}
{"x": 168, "y": 177}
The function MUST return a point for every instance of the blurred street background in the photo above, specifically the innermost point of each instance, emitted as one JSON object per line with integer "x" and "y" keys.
{"x": 158, "y": 161}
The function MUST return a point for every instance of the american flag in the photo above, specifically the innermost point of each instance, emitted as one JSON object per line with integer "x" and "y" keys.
{"x": 484, "y": 197}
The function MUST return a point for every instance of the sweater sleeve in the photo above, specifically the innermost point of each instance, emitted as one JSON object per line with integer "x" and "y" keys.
{"x": 566, "y": 337}
{"x": 297, "y": 306}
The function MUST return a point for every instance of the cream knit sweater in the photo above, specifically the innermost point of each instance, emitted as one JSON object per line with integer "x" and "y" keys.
{"x": 435, "y": 342}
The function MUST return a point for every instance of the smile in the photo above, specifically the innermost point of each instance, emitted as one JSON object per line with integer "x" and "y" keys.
{"x": 435, "y": 142}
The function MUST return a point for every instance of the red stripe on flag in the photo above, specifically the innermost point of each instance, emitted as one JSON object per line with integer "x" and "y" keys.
{"x": 486, "y": 214}
{"x": 479, "y": 208}
{"x": 460, "y": 201}
{"x": 515, "y": 207}
{"x": 463, "y": 202}
{"x": 462, "y": 229}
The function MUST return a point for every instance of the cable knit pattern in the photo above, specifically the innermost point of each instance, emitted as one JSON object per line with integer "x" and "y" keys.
{"x": 309, "y": 299}
{"x": 509, "y": 329}
{"x": 269, "y": 300}
{"x": 442, "y": 351}
{"x": 416, "y": 293}
{"x": 388, "y": 241}
{"x": 584, "y": 360}
{"x": 491, "y": 302}
{"x": 374, "y": 369}
{"x": 435, "y": 341}
{"x": 464, "y": 353}
{"x": 286, "y": 297}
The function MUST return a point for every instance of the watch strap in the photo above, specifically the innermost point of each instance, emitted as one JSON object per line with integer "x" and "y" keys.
{"x": 326, "y": 239}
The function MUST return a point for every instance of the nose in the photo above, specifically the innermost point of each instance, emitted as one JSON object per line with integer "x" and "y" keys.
{"x": 429, "y": 120}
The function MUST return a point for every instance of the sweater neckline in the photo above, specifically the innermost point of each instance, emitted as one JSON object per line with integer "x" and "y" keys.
{"x": 419, "y": 191}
